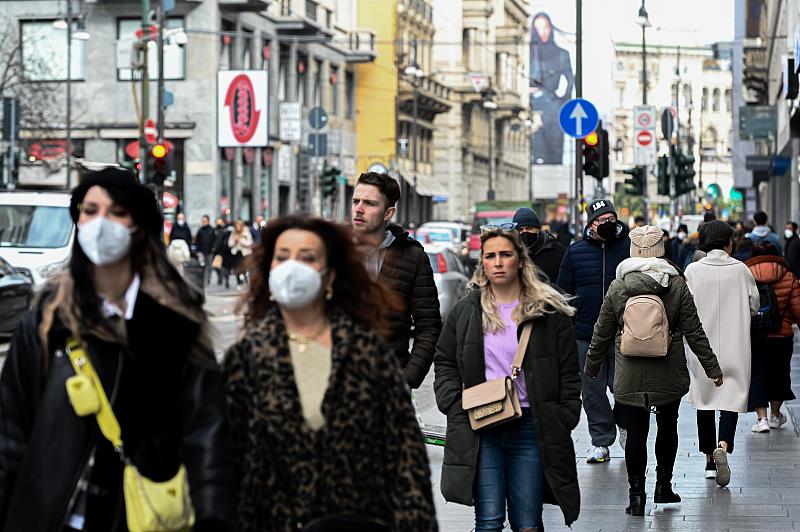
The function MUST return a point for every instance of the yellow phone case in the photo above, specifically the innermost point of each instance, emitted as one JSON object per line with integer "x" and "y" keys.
{"x": 83, "y": 395}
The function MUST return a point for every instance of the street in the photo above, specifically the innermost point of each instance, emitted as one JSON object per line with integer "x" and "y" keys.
{"x": 764, "y": 492}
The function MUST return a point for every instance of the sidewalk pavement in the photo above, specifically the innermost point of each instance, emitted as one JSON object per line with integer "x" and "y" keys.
{"x": 764, "y": 493}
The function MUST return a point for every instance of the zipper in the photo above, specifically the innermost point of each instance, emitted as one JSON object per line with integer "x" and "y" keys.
{"x": 603, "y": 283}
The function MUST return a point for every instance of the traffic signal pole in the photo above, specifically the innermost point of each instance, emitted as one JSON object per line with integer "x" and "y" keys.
{"x": 645, "y": 195}
{"x": 578, "y": 93}
{"x": 145, "y": 107}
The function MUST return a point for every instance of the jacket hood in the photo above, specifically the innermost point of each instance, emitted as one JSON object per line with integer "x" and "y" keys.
{"x": 622, "y": 232}
{"x": 760, "y": 231}
{"x": 767, "y": 268}
{"x": 401, "y": 236}
{"x": 646, "y": 276}
{"x": 544, "y": 242}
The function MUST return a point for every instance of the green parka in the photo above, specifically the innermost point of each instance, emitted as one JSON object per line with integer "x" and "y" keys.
{"x": 650, "y": 381}
{"x": 552, "y": 378}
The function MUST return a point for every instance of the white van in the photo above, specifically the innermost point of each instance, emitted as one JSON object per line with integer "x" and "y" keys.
{"x": 36, "y": 233}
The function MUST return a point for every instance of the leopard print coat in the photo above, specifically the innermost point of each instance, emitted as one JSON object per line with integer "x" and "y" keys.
{"x": 369, "y": 456}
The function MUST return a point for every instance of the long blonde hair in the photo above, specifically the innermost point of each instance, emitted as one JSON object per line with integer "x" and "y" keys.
{"x": 536, "y": 297}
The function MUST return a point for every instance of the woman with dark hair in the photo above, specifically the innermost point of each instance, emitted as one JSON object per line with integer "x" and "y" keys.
{"x": 643, "y": 382}
{"x": 772, "y": 343}
{"x": 57, "y": 471}
{"x": 726, "y": 297}
{"x": 526, "y": 462}
{"x": 322, "y": 419}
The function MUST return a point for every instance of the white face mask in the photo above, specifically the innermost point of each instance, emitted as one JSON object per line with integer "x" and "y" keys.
{"x": 104, "y": 241}
{"x": 295, "y": 284}
{"x": 681, "y": 236}
{"x": 788, "y": 233}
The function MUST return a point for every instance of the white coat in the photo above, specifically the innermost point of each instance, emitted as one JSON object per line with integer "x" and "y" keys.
{"x": 726, "y": 296}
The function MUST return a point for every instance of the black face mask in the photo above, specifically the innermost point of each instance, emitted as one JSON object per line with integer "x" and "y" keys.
{"x": 529, "y": 239}
{"x": 607, "y": 231}
{"x": 219, "y": 226}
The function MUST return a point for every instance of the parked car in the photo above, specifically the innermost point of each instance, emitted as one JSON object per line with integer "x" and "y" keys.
{"x": 449, "y": 275}
{"x": 485, "y": 218}
{"x": 16, "y": 292}
{"x": 459, "y": 235}
{"x": 36, "y": 233}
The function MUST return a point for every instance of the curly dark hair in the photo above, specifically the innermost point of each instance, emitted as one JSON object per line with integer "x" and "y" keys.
{"x": 354, "y": 291}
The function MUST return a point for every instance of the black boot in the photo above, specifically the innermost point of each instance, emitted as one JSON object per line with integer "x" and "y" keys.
{"x": 637, "y": 496}
{"x": 664, "y": 493}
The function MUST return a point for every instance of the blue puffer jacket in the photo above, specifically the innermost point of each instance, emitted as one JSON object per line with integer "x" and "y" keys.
{"x": 586, "y": 272}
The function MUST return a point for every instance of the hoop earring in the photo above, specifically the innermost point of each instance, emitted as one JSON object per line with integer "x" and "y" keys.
{"x": 329, "y": 293}
{"x": 271, "y": 297}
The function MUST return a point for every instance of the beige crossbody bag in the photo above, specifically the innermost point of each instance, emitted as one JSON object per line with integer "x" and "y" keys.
{"x": 495, "y": 402}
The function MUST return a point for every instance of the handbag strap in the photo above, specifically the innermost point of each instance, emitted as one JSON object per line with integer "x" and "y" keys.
{"x": 106, "y": 419}
{"x": 516, "y": 364}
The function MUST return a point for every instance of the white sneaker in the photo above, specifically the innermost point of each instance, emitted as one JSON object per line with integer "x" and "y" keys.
{"x": 623, "y": 437}
{"x": 723, "y": 469}
{"x": 598, "y": 455}
{"x": 777, "y": 422}
{"x": 761, "y": 425}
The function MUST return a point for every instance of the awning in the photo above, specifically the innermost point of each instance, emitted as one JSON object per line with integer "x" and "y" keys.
{"x": 426, "y": 185}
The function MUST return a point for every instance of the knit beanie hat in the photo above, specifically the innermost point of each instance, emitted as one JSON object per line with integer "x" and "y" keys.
{"x": 525, "y": 217}
{"x": 647, "y": 241}
{"x": 597, "y": 208}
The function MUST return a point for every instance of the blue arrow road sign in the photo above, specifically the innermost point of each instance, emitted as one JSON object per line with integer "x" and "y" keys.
{"x": 578, "y": 118}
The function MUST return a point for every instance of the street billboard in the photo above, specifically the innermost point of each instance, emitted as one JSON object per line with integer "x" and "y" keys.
{"x": 242, "y": 108}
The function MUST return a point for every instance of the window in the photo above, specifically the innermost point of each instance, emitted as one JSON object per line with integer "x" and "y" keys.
{"x": 687, "y": 95}
{"x": 283, "y": 80}
{"x": 728, "y": 101}
{"x": 174, "y": 55}
{"x": 704, "y": 101}
{"x": 350, "y": 89}
{"x": 333, "y": 91}
{"x": 311, "y": 10}
{"x": 44, "y": 52}
{"x": 317, "y": 82}
{"x": 715, "y": 101}
{"x": 328, "y": 18}
{"x": 34, "y": 226}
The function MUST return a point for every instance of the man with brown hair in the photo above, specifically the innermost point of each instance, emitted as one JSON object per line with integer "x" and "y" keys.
{"x": 400, "y": 263}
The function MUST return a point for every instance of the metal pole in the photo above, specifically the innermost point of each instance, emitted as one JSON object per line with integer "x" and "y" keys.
{"x": 69, "y": 95}
{"x": 145, "y": 107}
{"x": 673, "y": 200}
{"x": 645, "y": 193}
{"x": 160, "y": 96}
{"x": 579, "y": 199}
{"x": 414, "y": 111}
{"x": 490, "y": 192}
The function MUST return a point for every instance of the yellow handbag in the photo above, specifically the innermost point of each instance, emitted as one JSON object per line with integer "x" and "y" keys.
{"x": 149, "y": 506}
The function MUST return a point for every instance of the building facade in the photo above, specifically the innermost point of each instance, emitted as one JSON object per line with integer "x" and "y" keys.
{"x": 697, "y": 82}
{"x": 309, "y": 49}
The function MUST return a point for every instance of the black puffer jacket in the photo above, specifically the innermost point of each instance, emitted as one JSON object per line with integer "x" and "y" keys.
{"x": 407, "y": 271}
{"x": 170, "y": 407}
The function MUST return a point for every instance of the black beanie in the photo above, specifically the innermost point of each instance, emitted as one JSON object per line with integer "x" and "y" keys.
{"x": 599, "y": 207}
{"x": 526, "y": 217}
{"x": 125, "y": 190}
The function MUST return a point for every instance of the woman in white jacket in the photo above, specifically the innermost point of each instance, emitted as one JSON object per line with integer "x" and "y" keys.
{"x": 726, "y": 297}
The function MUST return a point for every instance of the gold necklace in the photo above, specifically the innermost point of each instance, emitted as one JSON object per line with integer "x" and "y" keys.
{"x": 303, "y": 341}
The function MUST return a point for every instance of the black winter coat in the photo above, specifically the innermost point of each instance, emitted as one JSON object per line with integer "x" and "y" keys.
{"x": 204, "y": 239}
{"x": 407, "y": 272}
{"x": 181, "y": 232}
{"x": 586, "y": 272}
{"x": 547, "y": 253}
{"x": 792, "y": 254}
{"x": 553, "y": 383}
{"x": 171, "y": 410}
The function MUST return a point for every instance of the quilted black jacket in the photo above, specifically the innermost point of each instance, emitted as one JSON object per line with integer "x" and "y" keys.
{"x": 407, "y": 271}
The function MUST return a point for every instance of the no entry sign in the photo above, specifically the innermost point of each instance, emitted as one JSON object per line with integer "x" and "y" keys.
{"x": 644, "y": 134}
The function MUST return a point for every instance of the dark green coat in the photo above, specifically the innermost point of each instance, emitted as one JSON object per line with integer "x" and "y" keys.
{"x": 552, "y": 377}
{"x": 650, "y": 381}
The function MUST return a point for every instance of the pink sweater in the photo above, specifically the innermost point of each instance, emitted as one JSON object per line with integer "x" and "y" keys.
{"x": 499, "y": 350}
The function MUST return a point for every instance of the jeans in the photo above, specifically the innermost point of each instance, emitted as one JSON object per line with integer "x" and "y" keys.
{"x": 602, "y": 428}
{"x": 707, "y": 430}
{"x": 638, "y": 425}
{"x": 509, "y": 471}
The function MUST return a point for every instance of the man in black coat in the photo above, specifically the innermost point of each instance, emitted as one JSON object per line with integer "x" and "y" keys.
{"x": 400, "y": 263}
{"x": 204, "y": 240}
{"x": 792, "y": 248}
{"x": 181, "y": 231}
{"x": 544, "y": 249}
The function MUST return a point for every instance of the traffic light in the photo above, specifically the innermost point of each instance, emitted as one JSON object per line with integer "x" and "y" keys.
{"x": 591, "y": 155}
{"x": 160, "y": 163}
{"x": 602, "y": 135}
{"x": 663, "y": 175}
{"x": 635, "y": 182}
{"x": 328, "y": 180}
{"x": 684, "y": 175}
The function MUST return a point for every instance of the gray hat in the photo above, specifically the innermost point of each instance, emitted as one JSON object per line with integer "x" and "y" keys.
{"x": 526, "y": 217}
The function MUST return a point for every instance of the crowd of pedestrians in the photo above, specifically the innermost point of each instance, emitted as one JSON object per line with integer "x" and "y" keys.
{"x": 308, "y": 423}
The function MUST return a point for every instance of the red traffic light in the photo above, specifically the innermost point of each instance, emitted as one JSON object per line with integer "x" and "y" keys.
{"x": 591, "y": 139}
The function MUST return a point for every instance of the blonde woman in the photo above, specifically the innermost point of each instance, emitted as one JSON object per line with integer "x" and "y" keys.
{"x": 514, "y": 464}
{"x": 241, "y": 245}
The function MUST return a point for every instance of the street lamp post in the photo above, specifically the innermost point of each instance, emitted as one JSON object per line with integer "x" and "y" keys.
{"x": 414, "y": 73}
{"x": 490, "y": 105}
{"x": 643, "y": 21}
